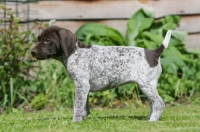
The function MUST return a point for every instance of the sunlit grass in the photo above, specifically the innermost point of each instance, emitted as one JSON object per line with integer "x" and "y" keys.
{"x": 177, "y": 118}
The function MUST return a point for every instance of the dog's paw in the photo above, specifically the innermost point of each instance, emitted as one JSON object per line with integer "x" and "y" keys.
{"x": 153, "y": 119}
{"x": 78, "y": 119}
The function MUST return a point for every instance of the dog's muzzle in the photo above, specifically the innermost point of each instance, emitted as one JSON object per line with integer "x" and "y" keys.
{"x": 36, "y": 55}
{"x": 34, "y": 52}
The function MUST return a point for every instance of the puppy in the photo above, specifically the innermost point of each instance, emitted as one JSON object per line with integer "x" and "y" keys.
{"x": 95, "y": 68}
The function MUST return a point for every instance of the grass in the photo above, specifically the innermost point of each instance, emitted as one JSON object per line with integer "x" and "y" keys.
{"x": 174, "y": 119}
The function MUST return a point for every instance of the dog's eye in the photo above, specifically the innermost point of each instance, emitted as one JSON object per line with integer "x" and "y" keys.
{"x": 46, "y": 40}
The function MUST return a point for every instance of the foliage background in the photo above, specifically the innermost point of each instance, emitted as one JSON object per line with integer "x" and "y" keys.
{"x": 29, "y": 85}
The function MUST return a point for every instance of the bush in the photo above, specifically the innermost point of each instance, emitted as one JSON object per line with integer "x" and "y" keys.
{"x": 180, "y": 77}
{"x": 14, "y": 68}
{"x": 15, "y": 62}
{"x": 56, "y": 88}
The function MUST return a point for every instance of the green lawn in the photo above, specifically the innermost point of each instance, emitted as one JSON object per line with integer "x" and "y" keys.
{"x": 177, "y": 118}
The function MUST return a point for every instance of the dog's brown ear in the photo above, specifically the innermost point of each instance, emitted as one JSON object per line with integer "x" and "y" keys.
{"x": 67, "y": 41}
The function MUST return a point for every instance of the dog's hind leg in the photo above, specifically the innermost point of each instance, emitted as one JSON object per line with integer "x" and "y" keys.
{"x": 157, "y": 104}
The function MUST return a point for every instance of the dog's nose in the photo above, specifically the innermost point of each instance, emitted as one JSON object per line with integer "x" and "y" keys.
{"x": 33, "y": 52}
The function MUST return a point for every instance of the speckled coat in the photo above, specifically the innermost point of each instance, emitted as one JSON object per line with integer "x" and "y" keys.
{"x": 94, "y": 68}
{"x": 101, "y": 68}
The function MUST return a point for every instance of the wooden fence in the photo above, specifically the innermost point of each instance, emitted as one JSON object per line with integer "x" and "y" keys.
{"x": 71, "y": 14}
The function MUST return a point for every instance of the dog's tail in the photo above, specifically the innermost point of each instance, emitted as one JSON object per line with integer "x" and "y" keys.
{"x": 152, "y": 56}
{"x": 165, "y": 43}
{"x": 167, "y": 38}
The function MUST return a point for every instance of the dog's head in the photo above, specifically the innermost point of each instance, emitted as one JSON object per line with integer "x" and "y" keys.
{"x": 53, "y": 42}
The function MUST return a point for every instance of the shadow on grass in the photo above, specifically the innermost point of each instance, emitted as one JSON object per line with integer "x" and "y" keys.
{"x": 121, "y": 117}
{"x": 51, "y": 118}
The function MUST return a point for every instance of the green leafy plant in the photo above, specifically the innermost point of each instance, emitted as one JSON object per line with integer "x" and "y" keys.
{"x": 15, "y": 64}
{"x": 178, "y": 78}
{"x": 92, "y": 33}
{"x": 56, "y": 88}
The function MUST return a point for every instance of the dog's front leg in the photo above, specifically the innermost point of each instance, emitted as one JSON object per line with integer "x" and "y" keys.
{"x": 81, "y": 109}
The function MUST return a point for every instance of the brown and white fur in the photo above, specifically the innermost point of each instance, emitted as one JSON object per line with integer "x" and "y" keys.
{"x": 94, "y": 68}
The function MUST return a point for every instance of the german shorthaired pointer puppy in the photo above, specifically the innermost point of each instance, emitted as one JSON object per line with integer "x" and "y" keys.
{"x": 94, "y": 68}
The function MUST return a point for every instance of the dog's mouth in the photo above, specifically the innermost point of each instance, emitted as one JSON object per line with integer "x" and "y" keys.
{"x": 38, "y": 55}
{"x": 43, "y": 57}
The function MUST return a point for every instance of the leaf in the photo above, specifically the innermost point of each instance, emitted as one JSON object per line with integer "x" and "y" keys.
{"x": 161, "y": 26}
{"x": 140, "y": 21}
{"x": 171, "y": 22}
{"x": 154, "y": 37}
{"x": 177, "y": 88}
{"x": 99, "y": 33}
{"x": 174, "y": 55}
{"x": 180, "y": 35}
{"x": 38, "y": 101}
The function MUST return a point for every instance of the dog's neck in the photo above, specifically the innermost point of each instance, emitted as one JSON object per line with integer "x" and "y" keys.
{"x": 63, "y": 58}
{"x": 82, "y": 45}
